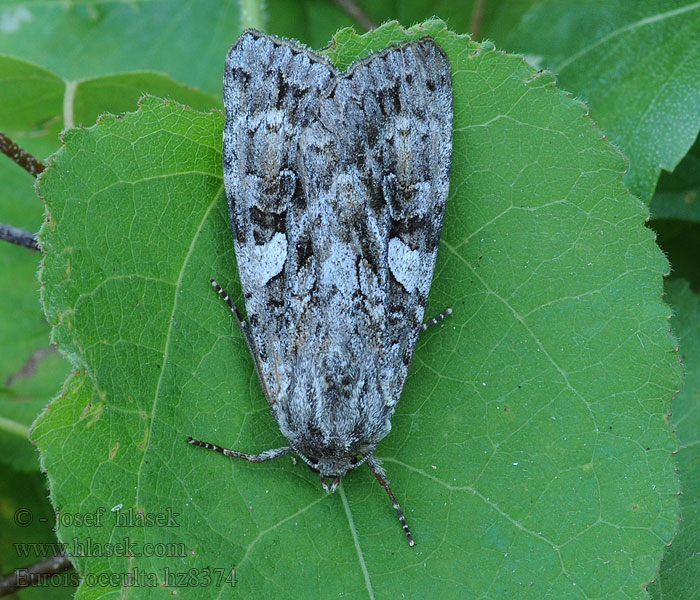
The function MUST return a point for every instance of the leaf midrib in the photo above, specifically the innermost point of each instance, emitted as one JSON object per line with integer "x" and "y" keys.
{"x": 171, "y": 325}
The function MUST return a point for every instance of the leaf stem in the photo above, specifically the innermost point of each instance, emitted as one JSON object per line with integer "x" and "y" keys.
{"x": 68, "y": 104}
{"x": 34, "y": 574}
{"x": 25, "y": 160}
{"x": 10, "y": 426}
{"x": 253, "y": 14}
{"x": 18, "y": 236}
{"x": 477, "y": 18}
{"x": 355, "y": 11}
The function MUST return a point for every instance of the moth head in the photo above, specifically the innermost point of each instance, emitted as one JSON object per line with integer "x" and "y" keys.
{"x": 331, "y": 469}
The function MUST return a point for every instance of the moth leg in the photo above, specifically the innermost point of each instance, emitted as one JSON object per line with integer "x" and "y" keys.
{"x": 256, "y": 458}
{"x": 435, "y": 320}
{"x": 379, "y": 473}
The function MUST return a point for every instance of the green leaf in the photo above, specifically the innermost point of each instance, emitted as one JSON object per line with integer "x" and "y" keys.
{"x": 33, "y": 105}
{"x": 531, "y": 438}
{"x": 29, "y": 372}
{"x": 678, "y": 194}
{"x": 57, "y": 104}
{"x": 187, "y": 39}
{"x": 635, "y": 63}
{"x": 500, "y": 17}
{"x": 26, "y": 391}
{"x": 680, "y": 568}
{"x": 26, "y": 380}
{"x": 311, "y": 21}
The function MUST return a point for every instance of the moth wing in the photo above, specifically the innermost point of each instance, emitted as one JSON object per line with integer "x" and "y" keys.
{"x": 271, "y": 93}
{"x": 337, "y": 187}
{"x": 393, "y": 113}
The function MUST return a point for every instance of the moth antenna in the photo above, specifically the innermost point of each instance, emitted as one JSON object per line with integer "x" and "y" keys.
{"x": 379, "y": 473}
{"x": 256, "y": 458}
{"x": 234, "y": 309}
{"x": 436, "y": 319}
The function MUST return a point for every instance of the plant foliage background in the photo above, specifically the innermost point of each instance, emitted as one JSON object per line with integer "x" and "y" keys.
{"x": 534, "y": 437}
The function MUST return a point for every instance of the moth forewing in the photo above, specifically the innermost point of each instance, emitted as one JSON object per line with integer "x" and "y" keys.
{"x": 336, "y": 185}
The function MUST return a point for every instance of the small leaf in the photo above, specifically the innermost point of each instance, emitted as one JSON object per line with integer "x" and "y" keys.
{"x": 531, "y": 438}
{"x": 55, "y": 101}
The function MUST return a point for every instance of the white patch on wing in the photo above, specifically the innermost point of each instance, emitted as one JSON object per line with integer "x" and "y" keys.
{"x": 404, "y": 263}
{"x": 267, "y": 260}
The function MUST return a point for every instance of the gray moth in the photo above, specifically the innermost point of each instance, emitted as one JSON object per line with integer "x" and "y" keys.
{"x": 336, "y": 183}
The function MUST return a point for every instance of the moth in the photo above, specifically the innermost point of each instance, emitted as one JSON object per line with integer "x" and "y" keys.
{"x": 336, "y": 183}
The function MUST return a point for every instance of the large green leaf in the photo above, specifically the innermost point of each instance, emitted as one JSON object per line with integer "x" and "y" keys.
{"x": 680, "y": 569}
{"x": 35, "y": 105}
{"x": 187, "y": 39}
{"x": 531, "y": 439}
{"x": 635, "y": 63}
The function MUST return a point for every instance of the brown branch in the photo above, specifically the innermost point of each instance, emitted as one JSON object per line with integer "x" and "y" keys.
{"x": 36, "y": 573}
{"x": 477, "y": 19}
{"x": 25, "y": 160}
{"x": 29, "y": 367}
{"x": 18, "y": 236}
{"x": 350, "y": 7}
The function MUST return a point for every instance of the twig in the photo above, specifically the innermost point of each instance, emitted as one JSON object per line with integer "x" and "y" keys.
{"x": 18, "y": 236}
{"x": 25, "y": 160}
{"x": 29, "y": 367}
{"x": 350, "y": 7}
{"x": 477, "y": 19}
{"x": 36, "y": 573}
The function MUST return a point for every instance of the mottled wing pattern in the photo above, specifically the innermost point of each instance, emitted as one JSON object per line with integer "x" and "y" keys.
{"x": 337, "y": 186}
{"x": 393, "y": 113}
{"x": 272, "y": 89}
